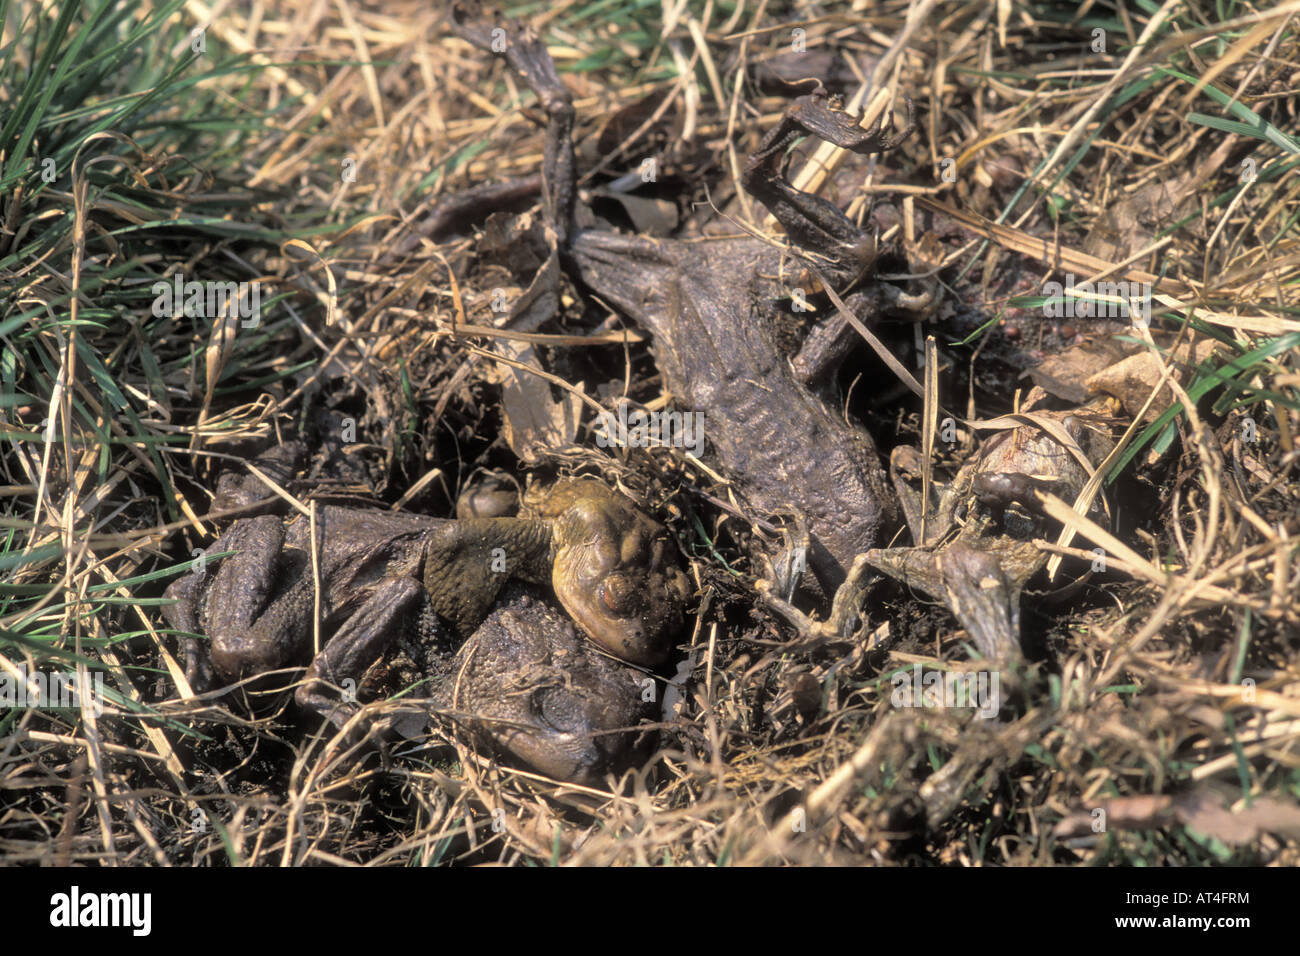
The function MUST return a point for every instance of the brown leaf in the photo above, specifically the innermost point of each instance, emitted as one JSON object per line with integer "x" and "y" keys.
{"x": 534, "y": 422}
{"x": 652, "y": 217}
{"x": 1204, "y": 812}
{"x": 1065, "y": 373}
{"x": 1132, "y": 379}
{"x": 1121, "y": 813}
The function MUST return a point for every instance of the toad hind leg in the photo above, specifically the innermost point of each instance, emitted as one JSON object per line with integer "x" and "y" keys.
{"x": 357, "y": 644}
{"x": 245, "y": 639}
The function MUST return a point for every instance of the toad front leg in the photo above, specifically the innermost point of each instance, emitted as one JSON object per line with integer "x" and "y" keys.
{"x": 979, "y": 565}
{"x": 359, "y": 642}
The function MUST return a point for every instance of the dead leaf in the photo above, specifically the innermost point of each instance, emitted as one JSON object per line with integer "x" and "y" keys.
{"x": 1065, "y": 373}
{"x": 533, "y": 421}
{"x": 1132, "y": 223}
{"x": 1120, "y": 813}
{"x": 1132, "y": 379}
{"x": 652, "y": 217}
{"x": 1203, "y": 810}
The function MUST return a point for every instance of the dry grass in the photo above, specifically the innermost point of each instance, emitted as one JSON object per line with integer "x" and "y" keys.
{"x": 778, "y": 753}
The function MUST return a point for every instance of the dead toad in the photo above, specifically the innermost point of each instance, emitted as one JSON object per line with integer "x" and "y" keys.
{"x": 708, "y": 305}
{"x": 975, "y": 551}
{"x": 384, "y": 577}
{"x": 528, "y": 684}
{"x": 702, "y": 301}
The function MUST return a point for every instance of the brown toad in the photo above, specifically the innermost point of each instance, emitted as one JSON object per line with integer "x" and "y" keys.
{"x": 384, "y": 576}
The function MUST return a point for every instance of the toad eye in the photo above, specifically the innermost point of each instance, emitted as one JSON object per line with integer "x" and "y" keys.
{"x": 619, "y": 595}
{"x": 557, "y": 712}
